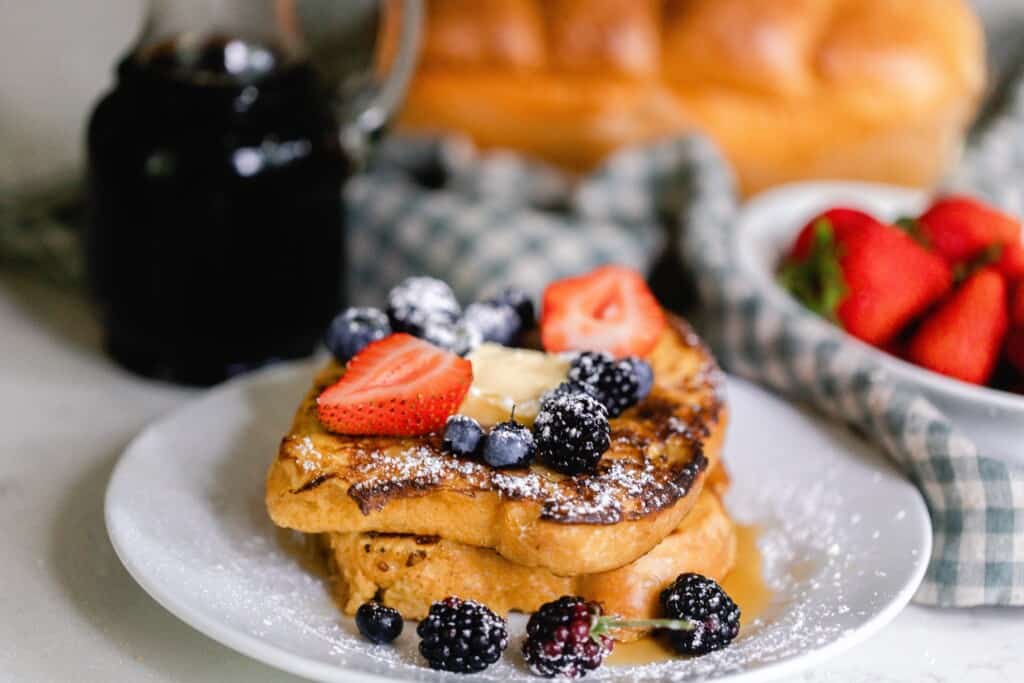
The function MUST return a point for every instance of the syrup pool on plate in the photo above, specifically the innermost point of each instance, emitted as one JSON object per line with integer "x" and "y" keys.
{"x": 744, "y": 584}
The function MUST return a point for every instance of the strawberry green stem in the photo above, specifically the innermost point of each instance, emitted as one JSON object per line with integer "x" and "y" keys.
{"x": 817, "y": 281}
{"x": 604, "y": 626}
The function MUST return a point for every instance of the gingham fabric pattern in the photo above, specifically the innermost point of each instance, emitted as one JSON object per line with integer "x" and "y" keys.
{"x": 482, "y": 221}
{"x": 976, "y": 502}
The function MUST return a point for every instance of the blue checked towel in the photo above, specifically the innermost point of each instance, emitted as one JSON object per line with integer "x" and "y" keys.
{"x": 480, "y": 221}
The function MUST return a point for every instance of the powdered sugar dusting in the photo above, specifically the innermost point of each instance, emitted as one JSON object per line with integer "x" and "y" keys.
{"x": 621, "y": 488}
{"x": 806, "y": 555}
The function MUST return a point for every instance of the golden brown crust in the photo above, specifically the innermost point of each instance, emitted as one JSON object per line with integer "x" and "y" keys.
{"x": 789, "y": 89}
{"x": 644, "y": 486}
{"x": 409, "y": 573}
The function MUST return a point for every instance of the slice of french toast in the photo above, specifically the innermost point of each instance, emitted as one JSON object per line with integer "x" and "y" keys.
{"x": 643, "y": 487}
{"x": 410, "y": 572}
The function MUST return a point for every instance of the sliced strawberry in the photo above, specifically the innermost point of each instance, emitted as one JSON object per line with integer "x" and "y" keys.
{"x": 964, "y": 337}
{"x": 959, "y": 228}
{"x": 610, "y": 309}
{"x": 843, "y": 221}
{"x": 397, "y": 386}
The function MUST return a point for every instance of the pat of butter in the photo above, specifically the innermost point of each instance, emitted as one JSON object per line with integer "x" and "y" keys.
{"x": 505, "y": 378}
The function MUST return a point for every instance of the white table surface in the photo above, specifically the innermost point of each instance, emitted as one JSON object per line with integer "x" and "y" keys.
{"x": 70, "y": 612}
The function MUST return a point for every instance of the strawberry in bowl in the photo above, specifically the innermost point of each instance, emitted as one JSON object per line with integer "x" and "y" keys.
{"x": 927, "y": 287}
{"x": 933, "y": 289}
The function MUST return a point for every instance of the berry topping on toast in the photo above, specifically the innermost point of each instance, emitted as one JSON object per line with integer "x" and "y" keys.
{"x": 611, "y": 381}
{"x": 610, "y": 309}
{"x": 571, "y": 430}
{"x": 509, "y": 444}
{"x": 419, "y": 303}
{"x": 354, "y": 328}
{"x": 463, "y": 436}
{"x": 397, "y": 386}
{"x": 496, "y": 322}
{"x": 518, "y": 300}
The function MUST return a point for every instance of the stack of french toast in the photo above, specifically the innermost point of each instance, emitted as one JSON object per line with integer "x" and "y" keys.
{"x": 444, "y": 452}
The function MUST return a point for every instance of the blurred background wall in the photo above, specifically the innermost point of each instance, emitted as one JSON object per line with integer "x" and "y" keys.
{"x": 57, "y": 55}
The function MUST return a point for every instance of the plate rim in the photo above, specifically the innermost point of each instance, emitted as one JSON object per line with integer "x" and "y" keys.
{"x": 269, "y": 653}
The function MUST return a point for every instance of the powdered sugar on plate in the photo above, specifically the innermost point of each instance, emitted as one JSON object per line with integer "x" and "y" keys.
{"x": 807, "y": 565}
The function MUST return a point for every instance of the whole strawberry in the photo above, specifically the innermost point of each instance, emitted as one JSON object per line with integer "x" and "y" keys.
{"x": 1011, "y": 262}
{"x": 964, "y": 337}
{"x": 1015, "y": 341}
{"x": 869, "y": 277}
{"x": 959, "y": 228}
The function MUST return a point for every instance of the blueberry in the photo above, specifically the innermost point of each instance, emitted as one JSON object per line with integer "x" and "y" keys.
{"x": 463, "y": 436}
{"x": 521, "y": 302}
{"x": 419, "y": 302}
{"x": 509, "y": 444}
{"x": 496, "y": 322}
{"x": 377, "y": 623}
{"x": 644, "y": 374}
{"x": 455, "y": 336}
{"x": 354, "y": 328}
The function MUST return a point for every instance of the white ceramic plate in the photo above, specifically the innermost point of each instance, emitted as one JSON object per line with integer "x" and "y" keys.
{"x": 766, "y": 227}
{"x": 844, "y": 540}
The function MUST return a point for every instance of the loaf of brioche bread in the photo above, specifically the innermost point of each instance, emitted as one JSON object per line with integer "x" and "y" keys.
{"x": 789, "y": 89}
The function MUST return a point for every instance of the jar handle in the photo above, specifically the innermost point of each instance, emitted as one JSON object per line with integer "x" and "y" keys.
{"x": 357, "y": 136}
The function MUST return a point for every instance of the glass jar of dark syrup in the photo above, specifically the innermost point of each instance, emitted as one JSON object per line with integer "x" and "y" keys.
{"x": 216, "y": 166}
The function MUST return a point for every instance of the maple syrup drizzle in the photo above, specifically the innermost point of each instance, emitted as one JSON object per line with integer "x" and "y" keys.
{"x": 744, "y": 584}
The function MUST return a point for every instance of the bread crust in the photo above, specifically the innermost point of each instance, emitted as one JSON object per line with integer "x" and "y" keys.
{"x": 411, "y": 572}
{"x": 790, "y": 89}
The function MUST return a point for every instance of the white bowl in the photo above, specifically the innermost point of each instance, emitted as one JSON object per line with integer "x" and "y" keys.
{"x": 767, "y": 225}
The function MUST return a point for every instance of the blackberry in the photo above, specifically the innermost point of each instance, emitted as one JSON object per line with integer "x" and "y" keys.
{"x": 571, "y": 431}
{"x": 561, "y": 639}
{"x": 521, "y": 302}
{"x": 461, "y": 636}
{"x": 417, "y": 303}
{"x": 714, "y": 617}
{"x": 644, "y": 374}
{"x": 377, "y": 623}
{"x": 463, "y": 436}
{"x": 509, "y": 444}
{"x": 613, "y": 382}
{"x": 496, "y": 322}
{"x": 563, "y": 389}
{"x": 354, "y": 328}
{"x": 570, "y": 637}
